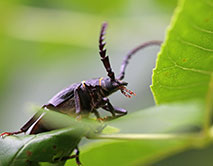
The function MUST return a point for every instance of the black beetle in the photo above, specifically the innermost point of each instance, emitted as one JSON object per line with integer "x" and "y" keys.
{"x": 81, "y": 99}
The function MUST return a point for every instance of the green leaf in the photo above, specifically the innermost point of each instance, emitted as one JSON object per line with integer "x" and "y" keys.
{"x": 45, "y": 147}
{"x": 195, "y": 157}
{"x": 49, "y": 146}
{"x": 130, "y": 149}
{"x": 184, "y": 67}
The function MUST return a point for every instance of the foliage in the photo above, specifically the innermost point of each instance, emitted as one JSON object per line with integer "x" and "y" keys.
{"x": 183, "y": 73}
{"x": 183, "y": 89}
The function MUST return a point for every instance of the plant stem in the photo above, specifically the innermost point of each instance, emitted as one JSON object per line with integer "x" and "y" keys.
{"x": 209, "y": 107}
{"x": 147, "y": 136}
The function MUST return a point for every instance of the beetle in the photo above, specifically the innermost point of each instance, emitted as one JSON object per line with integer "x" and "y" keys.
{"x": 81, "y": 99}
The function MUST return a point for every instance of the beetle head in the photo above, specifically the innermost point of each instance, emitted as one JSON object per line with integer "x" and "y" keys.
{"x": 110, "y": 86}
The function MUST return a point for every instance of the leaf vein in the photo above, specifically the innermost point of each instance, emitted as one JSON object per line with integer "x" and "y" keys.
{"x": 196, "y": 46}
{"x": 181, "y": 87}
{"x": 190, "y": 69}
{"x": 165, "y": 68}
{"x": 202, "y": 29}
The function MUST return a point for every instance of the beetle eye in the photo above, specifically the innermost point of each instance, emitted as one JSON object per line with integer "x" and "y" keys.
{"x": 115, "y": 84}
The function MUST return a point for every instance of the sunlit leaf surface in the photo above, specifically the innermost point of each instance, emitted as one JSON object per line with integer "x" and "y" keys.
{"x": 184, "y": 66}
{"x": 176, "y": 120}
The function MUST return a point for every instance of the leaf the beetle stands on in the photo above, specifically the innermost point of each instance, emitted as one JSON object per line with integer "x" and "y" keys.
{"x": 32, "y": 149}
{"x": 49, "y": 146}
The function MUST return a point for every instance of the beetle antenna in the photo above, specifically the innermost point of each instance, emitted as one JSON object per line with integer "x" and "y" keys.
{"x": 102, "y": 52}
{"x": 132, "y": 52}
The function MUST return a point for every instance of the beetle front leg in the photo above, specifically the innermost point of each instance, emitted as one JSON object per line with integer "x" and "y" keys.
{"x": 120, "y": 112}
{"x": 108, "y": 106}
{"x": 113, "y": 110}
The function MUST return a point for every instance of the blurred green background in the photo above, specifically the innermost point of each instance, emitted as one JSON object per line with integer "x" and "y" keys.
{"x": 46, "y": 45}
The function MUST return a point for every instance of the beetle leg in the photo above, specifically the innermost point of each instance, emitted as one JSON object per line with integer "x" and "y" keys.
{"x": 10, "y": 133}
{"x": 29, "y": 123}
{"x": 77, "y": 156}
{"x": 120, "y": 111}
{"x": 96, "y": 114}
{"x": 32, "y": 121}
{"x": 69, "y": 157}
{"x": 77, "y": 100}
{"x": 26, "y": 126}
{"x": 36, "y": 117}
{"x": 66, "y": 158}
{"x": 108, "y": 107}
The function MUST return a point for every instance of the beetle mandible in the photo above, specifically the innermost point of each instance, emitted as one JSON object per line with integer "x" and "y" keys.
{"x": 81, "y": 99}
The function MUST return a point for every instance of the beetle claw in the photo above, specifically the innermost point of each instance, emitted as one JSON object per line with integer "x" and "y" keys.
{"x": 10, "y": 133}
{"x": 3, "y": 134}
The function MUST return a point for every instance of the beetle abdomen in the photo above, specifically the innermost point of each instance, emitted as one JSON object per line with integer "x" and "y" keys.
{"x": 63, "y": 95}
{"x": 67, "y": 107}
